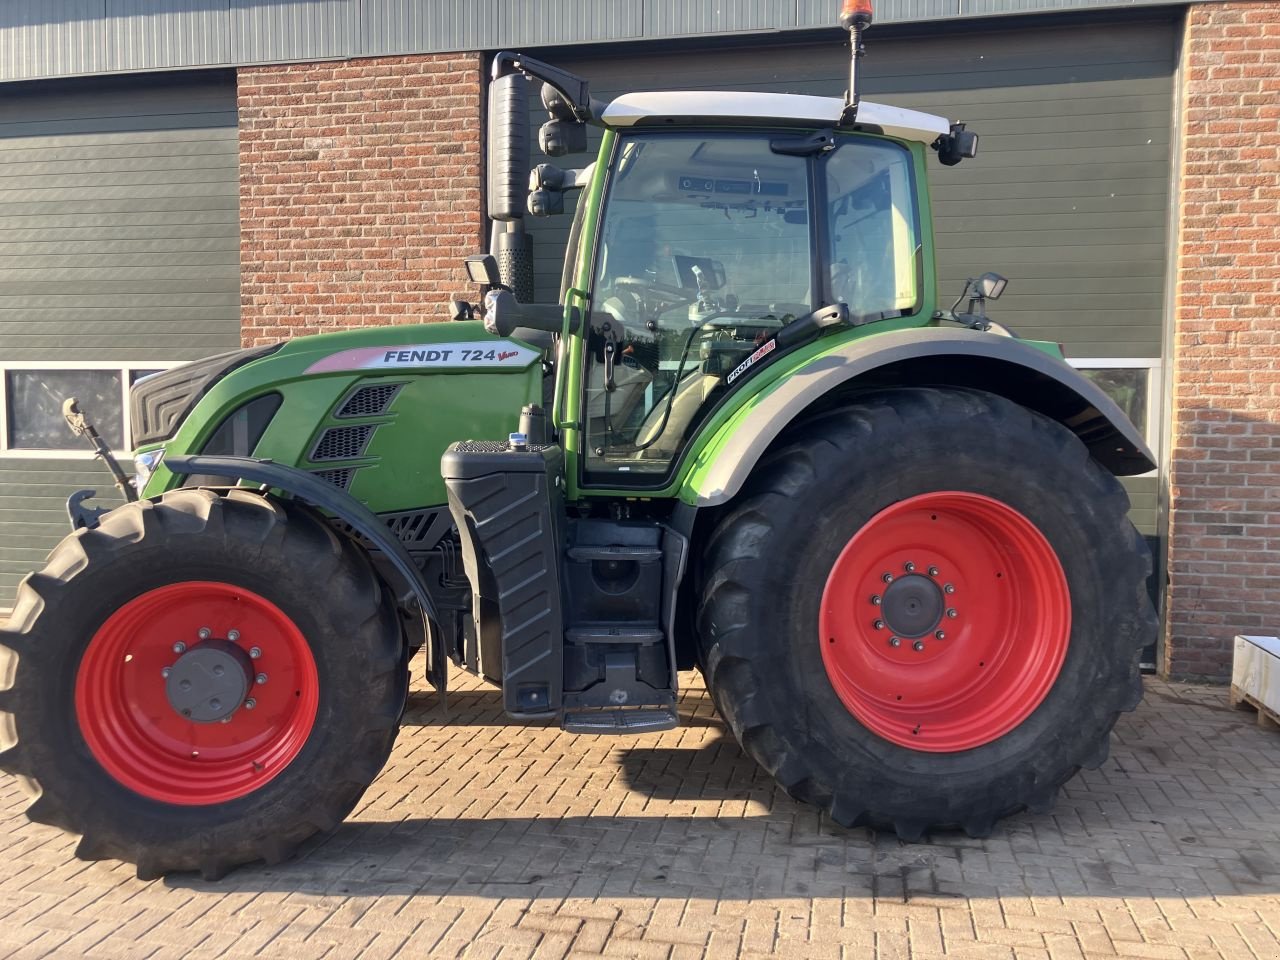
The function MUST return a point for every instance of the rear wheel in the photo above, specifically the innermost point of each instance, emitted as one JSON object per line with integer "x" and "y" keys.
{"x": 202, "y": 681}
{"x": 926, "y": 610}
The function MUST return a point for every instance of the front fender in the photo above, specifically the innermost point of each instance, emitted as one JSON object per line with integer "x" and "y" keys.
{"x": 921, "y": 357}
{"x": 311, "y": 489}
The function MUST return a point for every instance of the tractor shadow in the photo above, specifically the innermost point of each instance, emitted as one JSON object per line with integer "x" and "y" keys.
{"x": 1188, "y": 805}
{"x": 483, "y": 708}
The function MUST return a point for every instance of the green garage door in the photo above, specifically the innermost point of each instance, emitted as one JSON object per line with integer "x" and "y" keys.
{"x": 1068, "y": 197}
{"x": 119, "y": 254}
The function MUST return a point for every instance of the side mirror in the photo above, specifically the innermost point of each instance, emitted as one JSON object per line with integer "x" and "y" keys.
{"x": 508, "y": 146}
{"x": 989, "y": 286}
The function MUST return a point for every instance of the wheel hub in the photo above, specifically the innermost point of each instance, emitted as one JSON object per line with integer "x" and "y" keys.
{"x": 912, "y": 606}
{"x": 210, "y": 681}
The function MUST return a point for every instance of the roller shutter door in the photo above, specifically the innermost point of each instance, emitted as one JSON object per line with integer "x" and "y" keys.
{"x": 119, "y": 254}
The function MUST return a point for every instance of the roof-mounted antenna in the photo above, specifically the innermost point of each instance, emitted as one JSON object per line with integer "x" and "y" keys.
{"x": 855, "y": 16}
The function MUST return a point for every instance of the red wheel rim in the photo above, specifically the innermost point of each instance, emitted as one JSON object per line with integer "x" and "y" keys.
{"x": 1004, "y": 619}
{"x": 137, "y": 734}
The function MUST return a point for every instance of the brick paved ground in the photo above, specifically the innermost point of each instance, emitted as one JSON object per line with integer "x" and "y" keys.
{"x": 489, "y": 840}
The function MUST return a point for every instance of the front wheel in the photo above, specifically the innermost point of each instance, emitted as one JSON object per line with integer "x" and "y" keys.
{"x": 199, "y": 682}
{"x": 926, "y": 610}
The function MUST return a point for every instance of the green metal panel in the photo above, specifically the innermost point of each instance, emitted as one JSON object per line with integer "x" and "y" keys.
{"x": 33, "y": 495}
{"x": 119, "y": 241}
{"x": 1143, "y": 492}
{"x": 1068, "y": 196}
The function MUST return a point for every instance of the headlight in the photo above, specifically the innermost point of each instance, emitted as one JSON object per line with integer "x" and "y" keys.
{"x": 144, "y": 464}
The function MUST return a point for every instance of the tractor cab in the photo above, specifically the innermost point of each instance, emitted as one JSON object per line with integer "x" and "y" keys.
{"x": 716, "y": 232}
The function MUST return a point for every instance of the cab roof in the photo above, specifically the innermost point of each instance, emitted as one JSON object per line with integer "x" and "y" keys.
{"x": 789, "y": 109}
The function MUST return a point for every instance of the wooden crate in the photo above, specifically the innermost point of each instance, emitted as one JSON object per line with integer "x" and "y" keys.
{"x": 1255, "y": 678}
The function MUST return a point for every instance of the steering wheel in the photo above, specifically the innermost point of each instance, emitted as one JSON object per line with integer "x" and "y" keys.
{"x": 675, "y": 296}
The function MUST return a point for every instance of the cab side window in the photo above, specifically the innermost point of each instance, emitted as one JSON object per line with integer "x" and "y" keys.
{"x": 874, "y": 233}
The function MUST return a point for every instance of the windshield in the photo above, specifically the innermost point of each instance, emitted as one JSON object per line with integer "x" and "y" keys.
{"x": 704, "y": 253}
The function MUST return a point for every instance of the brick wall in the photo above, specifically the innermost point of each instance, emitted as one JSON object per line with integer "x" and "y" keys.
{"x": 359, "y": 191}
{"x": 1225, "y": 523}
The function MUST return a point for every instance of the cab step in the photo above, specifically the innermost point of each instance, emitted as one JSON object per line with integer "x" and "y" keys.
{"x": 615, "y": 633}
{"x": 614, "y": 551}
{"x": 620, "y": 720}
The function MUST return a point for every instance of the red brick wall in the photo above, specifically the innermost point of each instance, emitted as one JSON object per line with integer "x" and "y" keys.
{"x": 359, "y": 191}
{"x": 1225, "y": 523}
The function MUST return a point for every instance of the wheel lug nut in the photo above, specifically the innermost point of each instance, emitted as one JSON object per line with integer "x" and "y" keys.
{"x": 215, "y": 704}
{"x": 875, "y": 601}
{"x": 179, "y": 647}
{"x": 918, "y": 646}
{"x": 878, "y": 624}
{"x": 250, "y": 703}
{"x": 233, "y": 635}
{"x": 894, "y": 642}
{"x": 949, "y": 588}
{"x": 933, "y": 571}
{"x": 887, "y": 578}
{"x": 261, "y": 678}
{"x": 952, "y": 613}
{"x": 940, "y": 635}
{"x": 165, "y": 672}
{"x": 184, "y": 685}
{"x": 225, "y": 720}
{"x": 909, "y": 567}
{"x": 204, "y": 633}
{"x": 218, "y": 671}
{"x": 255, "y": 652}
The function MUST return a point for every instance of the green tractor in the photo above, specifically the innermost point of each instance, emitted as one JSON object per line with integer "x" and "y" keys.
{"x": 746, "y": 438}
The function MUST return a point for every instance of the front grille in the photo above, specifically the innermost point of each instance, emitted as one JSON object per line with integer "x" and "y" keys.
{"x": 339, "y": 478}
{"x": 158, "y": 404}
{"x": 342, "y": 443}
{"x": 369, "y": 401}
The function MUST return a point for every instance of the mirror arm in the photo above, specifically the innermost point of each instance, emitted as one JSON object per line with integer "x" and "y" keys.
{"x": 573, "y": 88}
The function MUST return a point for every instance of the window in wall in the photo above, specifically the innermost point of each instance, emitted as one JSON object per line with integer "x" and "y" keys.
{"x": 34, "y": 403}
{"x": 1129, "y": 388}
{"x": 1134, "y": 384}
{"x": 31, "y": 398}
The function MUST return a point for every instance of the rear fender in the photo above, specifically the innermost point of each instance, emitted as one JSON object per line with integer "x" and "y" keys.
{"x": 920, "y": 357}
{"x": 311, "y": 489}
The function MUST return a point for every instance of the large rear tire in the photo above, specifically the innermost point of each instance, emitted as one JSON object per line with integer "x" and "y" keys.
{"x": 201, "y": 681}
{"x": 926, "y": 610}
